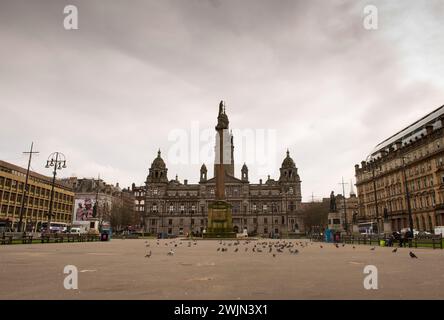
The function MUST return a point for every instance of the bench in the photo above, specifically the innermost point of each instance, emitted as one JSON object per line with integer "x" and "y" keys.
{"x": 27, "y": 239}
{"x": 434, "y": 240}
{"x": 6, "y": 239}
{"x": 72, "y": 237}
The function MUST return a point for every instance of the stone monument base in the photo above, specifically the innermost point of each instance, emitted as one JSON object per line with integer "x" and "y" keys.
{"x": 220, "y": 222}
{"x": 387, "y": 227}
{"x": 355, "y": 228}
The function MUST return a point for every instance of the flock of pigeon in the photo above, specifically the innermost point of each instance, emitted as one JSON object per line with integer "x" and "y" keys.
{"x": 167, "y": 244}
{"x": 264, "y": 246}
{"x": 271, "y": 247}
{"x": 411, "y": 254}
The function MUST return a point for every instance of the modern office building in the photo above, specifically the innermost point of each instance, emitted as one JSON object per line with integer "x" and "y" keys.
{"x": 36, "y": 202}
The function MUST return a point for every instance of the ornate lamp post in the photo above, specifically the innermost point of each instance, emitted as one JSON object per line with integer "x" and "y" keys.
{"x": 58, "y": 161}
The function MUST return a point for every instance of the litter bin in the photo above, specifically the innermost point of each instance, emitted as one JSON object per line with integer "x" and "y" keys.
{"x": 104, "y": 236}
{"x": 382, "y": 243}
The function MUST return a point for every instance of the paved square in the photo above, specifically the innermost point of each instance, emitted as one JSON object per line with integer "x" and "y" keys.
{"x": 119, "y": 270}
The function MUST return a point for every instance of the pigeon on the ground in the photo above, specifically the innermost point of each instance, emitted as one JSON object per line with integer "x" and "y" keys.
{"x": 394, "y": 250}
{"x": 148, "y": 255}
{"x": 412, "y": 255}
{"x": 236, "y": 250}
{"x": 373, "y": 249}
{"x": 171, "y": 252}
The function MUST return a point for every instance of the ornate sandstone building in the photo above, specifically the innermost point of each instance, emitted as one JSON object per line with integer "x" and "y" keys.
{"x": 405, "y": 174}
{"x": 176, "y": 208}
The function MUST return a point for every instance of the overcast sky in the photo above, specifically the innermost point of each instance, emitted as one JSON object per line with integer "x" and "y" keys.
{"x": 109, "y": 94}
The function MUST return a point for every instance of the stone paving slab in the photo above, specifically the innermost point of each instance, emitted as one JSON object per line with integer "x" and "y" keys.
{"x": 118, "y": 269}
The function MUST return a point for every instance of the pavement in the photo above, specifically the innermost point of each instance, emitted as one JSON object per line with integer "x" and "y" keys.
{"x": 120, "y": 269}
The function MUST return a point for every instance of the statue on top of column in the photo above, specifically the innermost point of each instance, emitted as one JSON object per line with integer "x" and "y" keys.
{"x": 222, "y": 119}
{"x": 332, "y": 202}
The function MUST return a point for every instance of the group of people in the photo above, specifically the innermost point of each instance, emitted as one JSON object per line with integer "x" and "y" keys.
{"x": 403, "y": 239}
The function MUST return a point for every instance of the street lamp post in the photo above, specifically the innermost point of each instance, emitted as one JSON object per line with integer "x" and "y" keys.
{"x": 191, "y": 223}
{"x": 272, "y": 223}
{"x": 286, "y": 209}
{"x": 375, "y": 194}
{"x": 25, "y": 190}
{"x": 407, "y": 196}
{"x": 58, "y": 161}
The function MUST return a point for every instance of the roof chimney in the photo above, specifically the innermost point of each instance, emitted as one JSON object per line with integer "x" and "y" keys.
{"x": 429, "y": 128}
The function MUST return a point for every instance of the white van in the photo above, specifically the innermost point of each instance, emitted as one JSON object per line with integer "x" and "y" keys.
{"x": 74, "y": 231}
{"x": 439, "y": 230}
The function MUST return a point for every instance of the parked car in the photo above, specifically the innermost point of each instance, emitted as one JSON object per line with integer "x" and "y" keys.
{"x": 75, "y": 231}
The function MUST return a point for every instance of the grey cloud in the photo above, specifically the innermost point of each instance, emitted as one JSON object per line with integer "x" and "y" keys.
{"x": 109, "y": 93}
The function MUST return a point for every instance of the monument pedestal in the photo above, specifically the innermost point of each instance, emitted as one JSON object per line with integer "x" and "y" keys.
{"x": 220, "y": 222}
{"x": 355, "y": 228}
{"x": 387, "y": 227}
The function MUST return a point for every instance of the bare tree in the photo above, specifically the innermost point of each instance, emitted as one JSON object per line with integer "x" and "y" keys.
{"x": 316, "y": 214}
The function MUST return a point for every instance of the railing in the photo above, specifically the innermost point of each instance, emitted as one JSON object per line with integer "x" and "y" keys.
{"x": 28, "y": 238}
{"x": 433, "y": 241}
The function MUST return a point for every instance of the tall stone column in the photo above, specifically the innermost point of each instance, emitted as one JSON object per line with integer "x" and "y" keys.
{"x": 220, "y": 222}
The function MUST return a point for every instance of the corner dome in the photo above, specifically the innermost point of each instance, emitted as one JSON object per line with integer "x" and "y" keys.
{"x": 288, "y": 161}
{"x": 158, "y": 162}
